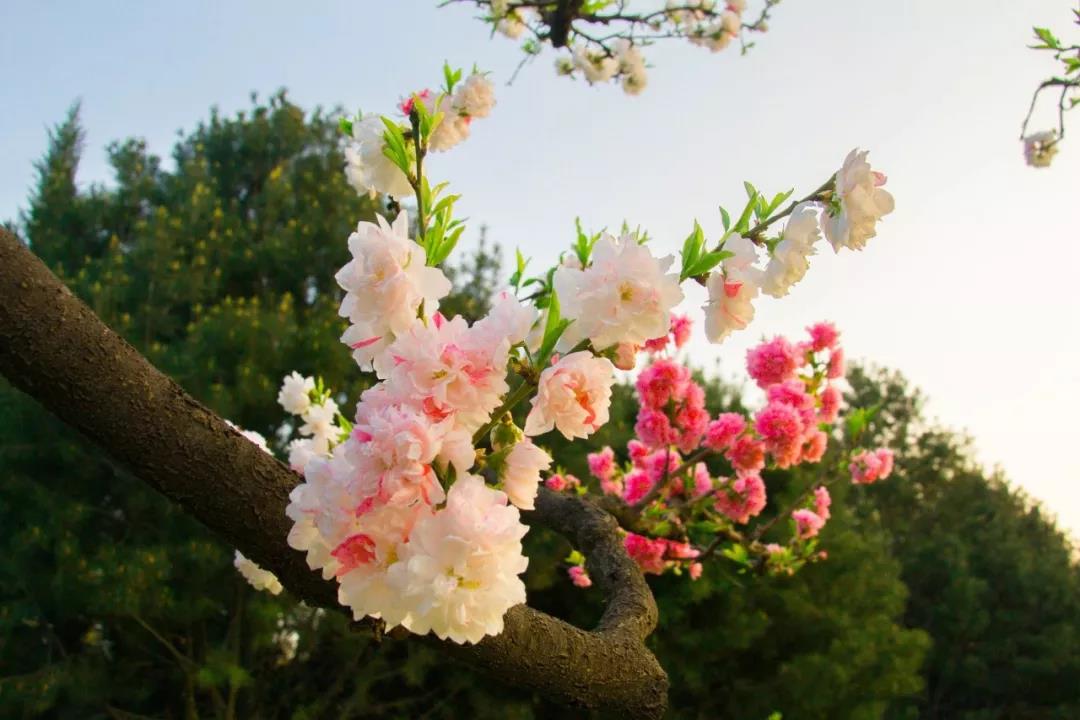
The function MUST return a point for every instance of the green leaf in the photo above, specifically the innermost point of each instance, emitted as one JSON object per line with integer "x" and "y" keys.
{"x": 737, "y": 554}
{"x": 691, "y": 251}
{"x": 345, "y": 126}
{"x": 1049, "y": 41}
{"x": 553, "y": 330}
{"x": 778, "y": 201}
{"x": 751, "y": 191}
{"x": 744, "y": 220}
{"x": 708, "y": 261}
{"x": 725, "y": 218}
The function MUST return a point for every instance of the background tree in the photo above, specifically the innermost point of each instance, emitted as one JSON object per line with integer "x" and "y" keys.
{"x": 992, "y": 579}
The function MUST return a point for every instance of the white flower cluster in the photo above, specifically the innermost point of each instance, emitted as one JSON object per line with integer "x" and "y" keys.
{"x": 319, "y": 429}
{"x": 858, "y": 203}
{"x": 383, "y": 513}
{"x": 599, "y": 66}
{"x": 705, "y": 29}
{"x": 370, "y": 171}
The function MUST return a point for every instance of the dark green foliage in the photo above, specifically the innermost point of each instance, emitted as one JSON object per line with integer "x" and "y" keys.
{"x": 991, "y": 578}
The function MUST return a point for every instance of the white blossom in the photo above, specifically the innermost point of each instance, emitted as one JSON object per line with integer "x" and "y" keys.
{"x": 862, "y": 203}
{"x": 789, "y": 261}
{"x": 595, "y": 66}
{"x": 730, "y": 303}
{"x": 1040, "y": 148}
{"x": 319, "y": 425}
{"x": 459, "y": 572}
{"x": 573, "y": 395}
{"x": 367, "y": 168}
{"x": 625, "y": 295}
{"x": 520, "y": 472}
{"x": 386, "y": 282}
{"x": 258, "y": 578}
{"x": 475, "y": 96}
{"x": 295, "y": 393}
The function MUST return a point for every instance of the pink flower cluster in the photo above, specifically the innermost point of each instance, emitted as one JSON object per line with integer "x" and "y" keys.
{"x": 672, "y": 407}
{"x": 666, "y": 479}
{"x": 869, "y": 466}
{"x": 654, "y": 555}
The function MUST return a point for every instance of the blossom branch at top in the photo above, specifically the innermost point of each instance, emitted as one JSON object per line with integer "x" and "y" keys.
{"x": 603, "y": 38}
{"x": 1041, "y": 147}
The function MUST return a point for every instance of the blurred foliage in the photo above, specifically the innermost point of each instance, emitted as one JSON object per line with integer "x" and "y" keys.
{"x": 114, "y": 604}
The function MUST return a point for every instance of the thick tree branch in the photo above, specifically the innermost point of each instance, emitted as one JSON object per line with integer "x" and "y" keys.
{"x": 55, "y": 349}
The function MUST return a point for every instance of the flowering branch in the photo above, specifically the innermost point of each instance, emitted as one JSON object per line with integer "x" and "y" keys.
{"x": 604, "y": 38}
{"x": 54, "y": 348}
{"x": 1040, "y": 147}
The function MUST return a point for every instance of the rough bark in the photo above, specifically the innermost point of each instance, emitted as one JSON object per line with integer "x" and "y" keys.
{"x": 55, "y": 349}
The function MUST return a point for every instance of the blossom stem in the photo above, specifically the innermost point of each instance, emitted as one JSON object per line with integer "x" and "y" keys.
{"x": 418, "y": 182}
{"x": 516, "y": 395}
{"x": 656, "y": 489}
{"x": 821, "y": 193}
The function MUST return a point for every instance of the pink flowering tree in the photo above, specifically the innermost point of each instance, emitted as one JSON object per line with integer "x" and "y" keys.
{"x": 602, "y": 41}
{"x": 406, "y": 507}
{"x": 1064, "y": 86}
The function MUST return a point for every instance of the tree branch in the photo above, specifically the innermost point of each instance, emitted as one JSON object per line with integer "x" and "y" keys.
{"x": 55, "y": 349}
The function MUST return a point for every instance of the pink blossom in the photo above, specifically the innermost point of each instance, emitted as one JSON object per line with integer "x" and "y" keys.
{"x": 658, "y": 344}
{"x": 807, "y": 523}
{"x": 602, "y": 463}
{"x": 837, "y": 366}
{"x": 722, "y": 431}
{"x": 681, "y": 325}
{"x": 814, "y": 449}
{"x": 681, "y": 550}
{"x": 692, "y": 422}
{"x": 885, "y": 457}
{"x": 702, "y": 480}
{"x": 742, "y": 499}
{"x": 822, "y": 501}
{"x": 647, "y": 553}
{"x": 572, "y": 395}
{"x": 556, "y": 483}
{"x": 823, "y": 336}
{"x": 638, "y": 451}
{"x": 654, "y": 428}
{"x": 747, "y": 454}
{"x": 406, "y": 104}
{"x": 637, "y": 486}
{"x": 830, "y": 405}
{"x": 662, "y": 381}
{"x": 791, "y": 392}
{"x": 696, "y": 570}
{"x": 611, "y": 487}
{"x": 869, "y": 466}
{"x": 779, "y": 424}
{"x": 355, "y": 550}
{"x": 579, "y": 577}
{"x": 772, "y": 362}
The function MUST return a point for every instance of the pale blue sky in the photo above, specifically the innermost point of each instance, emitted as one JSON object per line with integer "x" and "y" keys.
{"x": 969, "y": 288}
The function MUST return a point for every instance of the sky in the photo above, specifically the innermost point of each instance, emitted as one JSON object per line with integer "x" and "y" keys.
{"x": 969, "y": 288}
